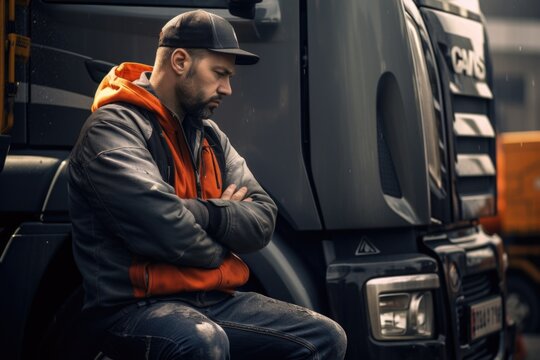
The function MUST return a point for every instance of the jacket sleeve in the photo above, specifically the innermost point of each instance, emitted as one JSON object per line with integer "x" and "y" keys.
{"x": 244, "y": 226}
{"x": 112, "y": 166}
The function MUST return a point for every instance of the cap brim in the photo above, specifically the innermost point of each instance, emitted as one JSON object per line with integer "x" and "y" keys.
{"x": 242, "y": 57}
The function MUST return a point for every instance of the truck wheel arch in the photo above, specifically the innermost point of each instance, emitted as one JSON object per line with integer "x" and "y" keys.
{"x": 282, "y": 274}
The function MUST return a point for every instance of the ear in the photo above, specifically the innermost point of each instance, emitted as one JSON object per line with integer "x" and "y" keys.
{"x": 180, "y": 61}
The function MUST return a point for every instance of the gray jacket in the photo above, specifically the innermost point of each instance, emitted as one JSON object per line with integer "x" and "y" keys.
{"x": 122, "y": 206}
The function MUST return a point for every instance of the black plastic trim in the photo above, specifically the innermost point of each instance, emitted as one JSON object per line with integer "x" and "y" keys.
{"x": 304, "y": 104}
{"x": 26, "y": 171}
{"x": 5, "y": 141}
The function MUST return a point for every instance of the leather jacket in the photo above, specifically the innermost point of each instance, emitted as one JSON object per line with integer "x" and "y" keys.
{"x": 124, "y": 208}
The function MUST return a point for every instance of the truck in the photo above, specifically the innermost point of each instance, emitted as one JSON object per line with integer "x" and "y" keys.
{"x": 370, "y": 123}
{"x": 518, "y": 223}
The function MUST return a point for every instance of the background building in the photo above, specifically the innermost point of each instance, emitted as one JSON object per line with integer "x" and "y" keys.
{"x": 514, "y": 30}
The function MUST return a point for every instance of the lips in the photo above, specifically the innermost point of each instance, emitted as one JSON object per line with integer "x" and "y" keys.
{"x": 216, "y": 102}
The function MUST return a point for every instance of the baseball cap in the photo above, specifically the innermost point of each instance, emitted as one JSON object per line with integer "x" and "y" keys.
{"x": 200, "y": 29}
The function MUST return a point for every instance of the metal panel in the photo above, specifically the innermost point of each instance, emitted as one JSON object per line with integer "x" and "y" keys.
{"x": 360, "y": 70}
{"x": 475, "y": 165}
{"x": 473, "y": 206}
{"x": 473, "y": 125}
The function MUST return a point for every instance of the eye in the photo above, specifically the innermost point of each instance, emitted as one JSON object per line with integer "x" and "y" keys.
{"x": 223, "y": 74}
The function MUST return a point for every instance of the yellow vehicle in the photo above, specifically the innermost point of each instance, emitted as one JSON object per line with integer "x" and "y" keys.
{"x": 518, "y": 222}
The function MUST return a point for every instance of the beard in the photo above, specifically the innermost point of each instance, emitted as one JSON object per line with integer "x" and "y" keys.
{"x": 193, "y": 102}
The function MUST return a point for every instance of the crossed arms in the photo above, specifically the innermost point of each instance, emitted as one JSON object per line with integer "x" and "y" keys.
{"x": 114, "y": 171}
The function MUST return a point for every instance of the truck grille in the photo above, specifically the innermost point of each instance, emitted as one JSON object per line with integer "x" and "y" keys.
{"x": 480, "y": 350}
{"x": 470, "y": 262}
{"x": 475, "y": 154}
{"x": 477, "y": 287}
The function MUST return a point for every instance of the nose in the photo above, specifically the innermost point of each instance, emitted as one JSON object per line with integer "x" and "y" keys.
{"x": 225, "y": 87}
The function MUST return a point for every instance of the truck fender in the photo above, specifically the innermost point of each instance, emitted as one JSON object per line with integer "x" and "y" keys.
{"x": 282, "y": 274}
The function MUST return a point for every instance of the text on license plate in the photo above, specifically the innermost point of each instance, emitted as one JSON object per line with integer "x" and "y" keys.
{"x": 486, "y": 317}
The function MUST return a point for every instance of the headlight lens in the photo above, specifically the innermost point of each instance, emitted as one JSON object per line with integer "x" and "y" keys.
{"x": 393, "y": 314}
{"x": 422, "y": 314}
{"x": 401, "y": 307}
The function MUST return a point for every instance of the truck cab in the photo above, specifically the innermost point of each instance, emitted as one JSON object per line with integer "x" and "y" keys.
{"x": 370, "y": 123}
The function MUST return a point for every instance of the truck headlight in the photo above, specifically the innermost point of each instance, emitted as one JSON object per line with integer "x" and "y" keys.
{"x": 401, "y": 307}
{"x": 393, "y": 313}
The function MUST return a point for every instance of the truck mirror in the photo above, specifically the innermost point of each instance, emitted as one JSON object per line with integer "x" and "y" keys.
{"x": 243, "y": 8}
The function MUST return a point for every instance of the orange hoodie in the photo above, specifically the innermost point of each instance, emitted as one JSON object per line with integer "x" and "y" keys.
{"x": 150, "y": 278}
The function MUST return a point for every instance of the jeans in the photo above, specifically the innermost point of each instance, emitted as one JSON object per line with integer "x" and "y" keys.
{"x": 244, "y": 326}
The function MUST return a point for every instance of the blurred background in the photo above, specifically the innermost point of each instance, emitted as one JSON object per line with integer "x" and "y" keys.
{"x": 514, "y": 32}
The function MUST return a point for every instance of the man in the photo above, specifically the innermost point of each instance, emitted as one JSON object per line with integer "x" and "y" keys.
{"x": 161, "y": 202}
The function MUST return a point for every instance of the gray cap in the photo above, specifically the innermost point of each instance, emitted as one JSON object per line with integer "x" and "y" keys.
{"x": 200, "y": 29}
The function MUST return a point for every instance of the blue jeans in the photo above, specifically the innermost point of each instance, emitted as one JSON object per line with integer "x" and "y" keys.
{"x": 244, "y": 326}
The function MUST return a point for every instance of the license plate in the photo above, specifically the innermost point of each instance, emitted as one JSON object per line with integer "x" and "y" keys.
{"x": 486, "y": 317}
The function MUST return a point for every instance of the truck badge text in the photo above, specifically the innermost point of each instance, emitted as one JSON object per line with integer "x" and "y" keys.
{"x": 468, "y": 62}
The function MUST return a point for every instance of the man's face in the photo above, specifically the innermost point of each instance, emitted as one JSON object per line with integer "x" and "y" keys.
{"x": 201, "y": 89}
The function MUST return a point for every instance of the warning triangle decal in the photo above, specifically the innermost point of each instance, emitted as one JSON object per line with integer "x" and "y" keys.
{"x": 366, "y": 247}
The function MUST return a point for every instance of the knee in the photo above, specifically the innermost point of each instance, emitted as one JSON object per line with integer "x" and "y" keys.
{"x": 334, "y": 345}
{"x": 340, "y": 338}
{"x": 208, "y": 341}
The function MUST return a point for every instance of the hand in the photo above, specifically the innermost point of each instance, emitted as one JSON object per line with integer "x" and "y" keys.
{"x": 232, "y": 194}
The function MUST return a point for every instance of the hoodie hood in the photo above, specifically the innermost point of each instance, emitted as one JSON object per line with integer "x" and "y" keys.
{"x": 118, "y": 86}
